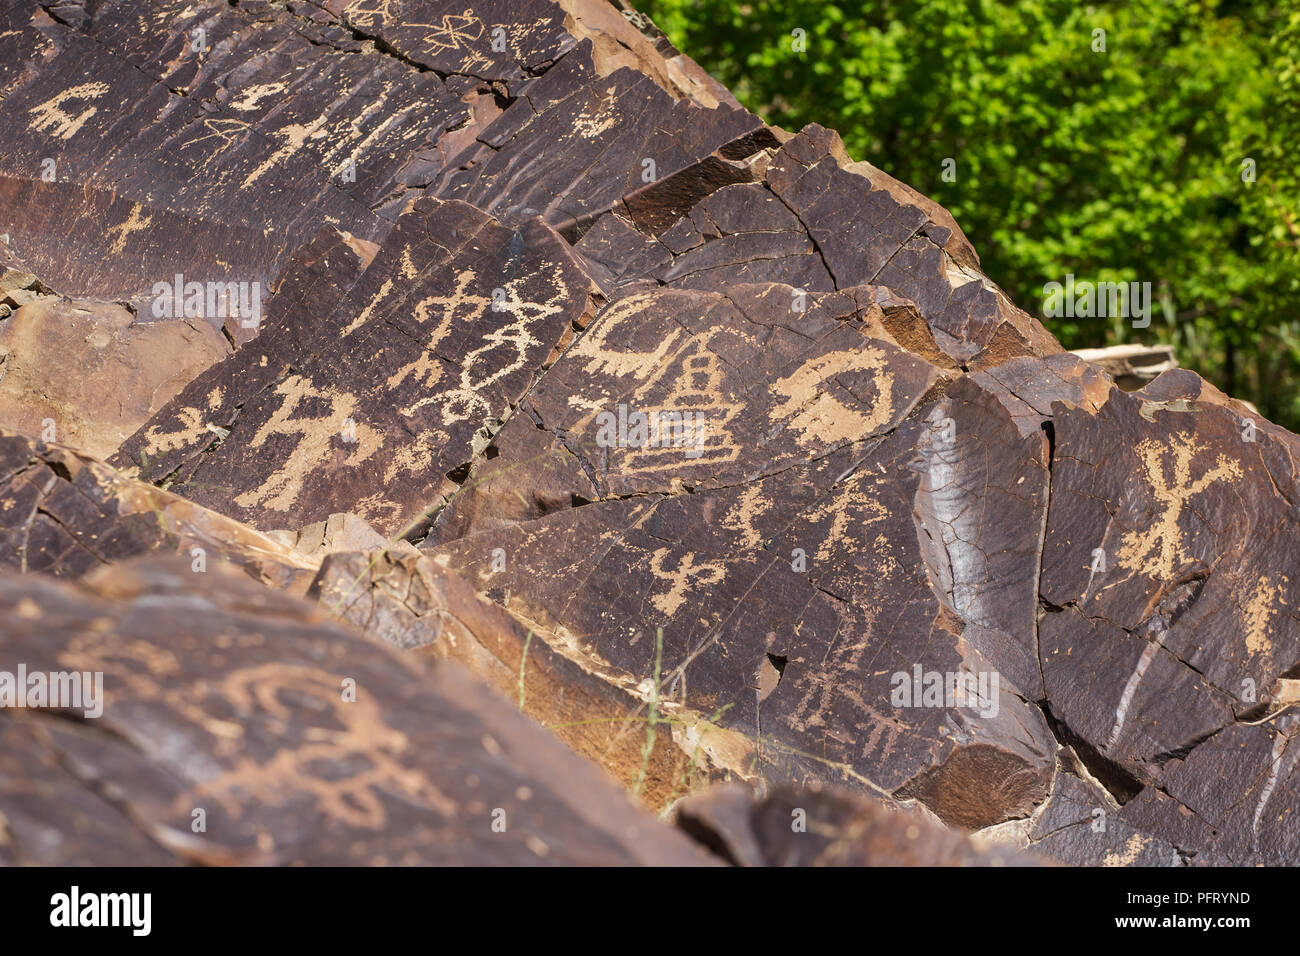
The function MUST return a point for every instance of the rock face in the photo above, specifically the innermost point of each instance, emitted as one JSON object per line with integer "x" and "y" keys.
{"x": 93, "y": 370}
{"x": 512, "y": 341}
{"x": 244, "y": 727}
{"x": 820, "y": 827}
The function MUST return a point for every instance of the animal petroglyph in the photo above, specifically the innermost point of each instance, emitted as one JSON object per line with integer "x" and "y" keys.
{"x": 51, "y": 117}
{"x": 365, "y": 736}
{"x": 821, "y": 417}
{"x": 601, "y": 358}
{"x": 453, "y": 32}
{"x": 316, "y": 439}
{"x": 850, "y": 511}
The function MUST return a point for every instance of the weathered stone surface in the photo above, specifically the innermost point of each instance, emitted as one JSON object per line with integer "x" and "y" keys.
{"x": 425, "y": 356}
{"x": 93, "y": 372}
{"x": 879, "y": 485}
{"x": 657, "y": 749}
{"x": 827, "y": 827}
{"x": 780, "y": 555}
{"x": 231, "y": 135}
{"x": 618, "y": 133}
{"x": 64, "y": 514}
{"x": 300, "y": 741}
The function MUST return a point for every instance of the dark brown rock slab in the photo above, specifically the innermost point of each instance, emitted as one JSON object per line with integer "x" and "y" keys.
{"x": 90, "y": 243}
{"x": 1168, "y": 572}
{"x": 617, "y": 134}
{"x": 319, "y": 276}
{"x": 374, "y": 409}
{"x": 50, "y": 817}
{"x": 1082, "y": 825}
{"x": 493, "y": 40}
{"x": 288, "y": 737}
{"x": 871, "y": 232}
{"x": 218, "y": 116}
{"x": 729, "y": 387}
{"x": 65, "y": 514}
{"x": 826, "y": 826}
{"x": 798, "y": 606}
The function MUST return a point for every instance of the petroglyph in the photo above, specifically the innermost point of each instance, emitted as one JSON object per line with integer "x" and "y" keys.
{"x": 685, "y": 577}
{"x": 899, "y": 469}
{"x": 821, "y": 417}
{"x": 319, "y": 437}
{"x": 453, "y": 32}
{"x": 1128, "y": 856}
{"x": 294, "y": 136}
{"x": 506, "y": 349}
{"x": 228, "y": 132}
{"x": 1261, "y": 607}
{"x": 591, "y": 123}
{"x": 132, "y": 224}
{"x": 741, "y": 516}
{"x": 603, "y": 358}
{"x": 364, "y": 315}
{"x": 1158, "y": 549}
{"x": 852, "y": 510}
{"x": 51, "y": 117}
{"x": 250, "y": 98}
{"x": 695, "y": 380}
{"x": 364, "y": 737}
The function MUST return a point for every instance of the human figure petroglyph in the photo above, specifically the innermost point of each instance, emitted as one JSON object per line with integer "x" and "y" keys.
{"x": 506, "y": 349}
{"x": 454, "y": 32}
{"x": 852, "y": 509}
{"x": 1158, "y": 549}
{"x": 134, "y": 223}
{"x": 425, "y": 368}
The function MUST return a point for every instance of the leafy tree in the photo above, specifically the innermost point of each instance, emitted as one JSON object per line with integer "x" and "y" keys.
{"x": 1112, "y": 156}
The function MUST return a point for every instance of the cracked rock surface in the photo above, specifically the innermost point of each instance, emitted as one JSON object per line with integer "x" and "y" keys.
{"x": 709, "y": 449}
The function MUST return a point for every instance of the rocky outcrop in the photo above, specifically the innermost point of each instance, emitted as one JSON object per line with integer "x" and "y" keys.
{"x": 711, "y": 450}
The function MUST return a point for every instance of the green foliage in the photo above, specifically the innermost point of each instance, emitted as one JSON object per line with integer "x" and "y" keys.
{"x": 1122, "y": 165}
